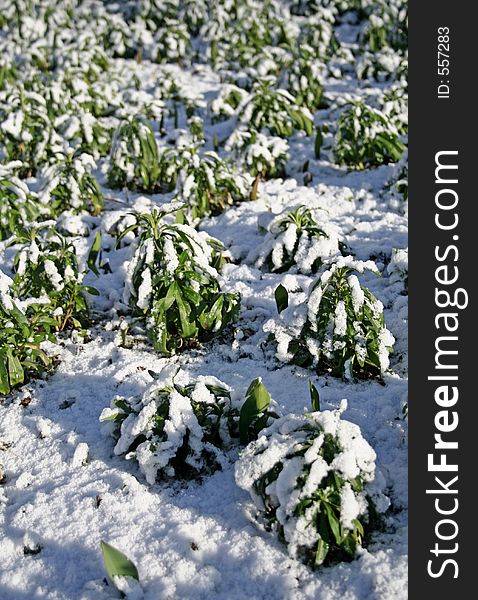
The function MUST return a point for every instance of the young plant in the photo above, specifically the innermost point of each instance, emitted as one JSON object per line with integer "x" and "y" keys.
{"x": 256, "y": 411}
{"x": 134, "y": 159}
{"x": 302, "y": 80}
{"x": 46, "y": 267}
{"x": 121, "y": 571}
{"x": 172, "y": 42}
{"x": 225, "y": 105}
{"x": 172, "y": 284}
{"x": 394, "y": 105}
{"x": 183, "y": 430}
{"x": 366, "y": 138}
{"x": 275, "y": 110}
{"x": 339, "y": 328}
{"x": 264, "y": 156}
{"x": 295, "y": 241}
{"x": 18, "y": 205}
{"x": 397, "y": 268}
{"x": 26, "y": 132}
{"x": 318, "y": 39}
{"x": 85, "y": 133}
{"x": 208, "y": 185}
{"x": 311, "y": 478}
{"x": 24, "y": 326}
{"x": 174, "y": 430}
{"x": 69, "y": 185}
{"x": 386, "y": 27}
{"x": 384, "y": 65}
{"x": 398, "y": 182}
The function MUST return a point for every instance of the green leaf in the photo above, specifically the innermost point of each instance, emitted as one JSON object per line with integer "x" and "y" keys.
{"x": 314, "y": 397}
{"x": 4, "y": 382}
{"x": 282, "y": 298}
{"x": 15, "y": 369}
{"x": 117, "y": 564}
{"x": 187, "y": 329}
{"x": 93, "y": 254}
{"x": 334, "y": 524}
{"x": 255, "y": 405}
{"x": 318, "y": 142}
{"x": 321, "y": 552}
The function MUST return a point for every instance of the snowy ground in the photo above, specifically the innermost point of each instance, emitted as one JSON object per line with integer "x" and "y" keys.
{"x": 195, "y": 540}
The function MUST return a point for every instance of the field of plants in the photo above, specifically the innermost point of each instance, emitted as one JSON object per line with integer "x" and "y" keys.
{"x": 203, "y": 299}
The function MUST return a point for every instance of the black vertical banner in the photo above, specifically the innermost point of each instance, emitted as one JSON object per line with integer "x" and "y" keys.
{"x": 443, "y": 329}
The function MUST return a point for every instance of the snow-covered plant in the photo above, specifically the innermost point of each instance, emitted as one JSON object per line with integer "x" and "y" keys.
{"x": 366, "y": 138}
{"x": 302, "y": 80}
{"x": 394, "y": 105}
{"x": 174, "y": 430}
{"x": 398, "y": 182}
{"x": 196, "y": 128}
{"x": 238, "y": 30}
{"x": 125, "y": 39}
{"x": 313, "y": 479}
{"x": 295, "y": 241}
{"x": 207, "y": 184}
{"x": 386, "y": 26}
{"x": 204, "y": 182}
{"x": 86, "y": 133}
{"x": 171, "y": 42}
{"x": 24, "y": 326}
{"x": 183, "y": 430}
{"x": 261, "y": 155}
{"x": 317, "y": 39}
{"x": 275, "y": 110}
{"x": 339, "y": 328}
{"x": 18, "y": 205}
{"x": 69, "y": 185}
{"x": 225, "y": 105}
{"x": 384, "y": 65}
{"x": 46, "y": 267}
{"x": 134, "y": 159}
{"x": 397, "y": 268}
{"x": 26, "y": 132}
{"x": 172, "y": 283}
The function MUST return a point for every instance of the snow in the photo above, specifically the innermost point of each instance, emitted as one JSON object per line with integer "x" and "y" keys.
{"x": 67, "y": 484}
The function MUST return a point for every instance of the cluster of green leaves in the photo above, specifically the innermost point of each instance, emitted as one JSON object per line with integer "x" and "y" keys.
{"x": 164, "y": 446}
{"x": 317, "y": 38}
{"x": 85, "y": 133}
{"x": 46, "y": 266}
{"x": 172, "y": 41}
{"x": 398, "y": 182}
{"x": 302, "y": 81}
{"x": 343, "y": 329}
{"x": 207, "y": 184}
{"x": 295, "y": 239}
{"x": 394, "y": 105}
{"x": 26, "y": 132}
{"x": 174, "y": 286}
{"x": 263, "y": 156}
{"x": 237, "y": 31}
{"x": 18, "y": 205}
{"x": 275, "y": 110}
{"x": 134, "y": 159}
{"x": 291, "y": 497}
{"x": 175, "y": 451}
{"x": 69, "y": 185}
{"x": 23, "y": 329}
{"x": 386, "y": 26}
{"x": 227, "y": 102}
{"x": 366, "y": 138}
